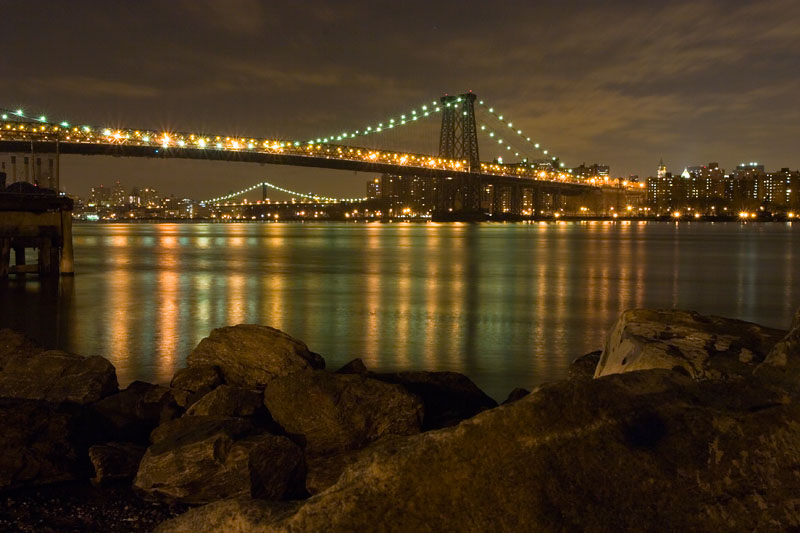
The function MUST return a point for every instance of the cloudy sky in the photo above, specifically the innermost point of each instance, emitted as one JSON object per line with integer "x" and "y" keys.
{"x": 621, "y": 83}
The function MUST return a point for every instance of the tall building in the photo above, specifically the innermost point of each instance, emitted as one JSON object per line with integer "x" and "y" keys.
{"x": 374, "y": 189}
{"x": 149, "y": 197}
{"x": 100, "y": 197}
{"x": 592, "y": 171}
{"x": 118, "y": 195}
{"x": 662, "y": 169}
{"x": 411, "y": 195}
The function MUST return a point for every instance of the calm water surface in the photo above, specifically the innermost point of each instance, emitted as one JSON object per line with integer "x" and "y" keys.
{"x": 510, "y": 305}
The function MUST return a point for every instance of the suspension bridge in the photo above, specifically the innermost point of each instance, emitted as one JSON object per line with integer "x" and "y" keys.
{"x": 456, "y": 168}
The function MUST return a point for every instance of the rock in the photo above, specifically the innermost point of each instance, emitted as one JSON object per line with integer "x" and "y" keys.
{"x": 43, "y": 443}
{"x": 133, "y": 413}
{"x": 192, "y": 428}
{"x": 115, "y": 460}
{"x": 705, "y": 347}
{"x": 251, "y": 356}
{"x": 584, "y": 366}
{"x": 782, "y": 364}
{"x": 190, "y": 384}
{"x": 277, "y": 469}
{"x": 226, "y": 400}
{"x": 449, "y": 397}
{"x": 13, "y": 344}
{"x": 324, "y": 471}
{"x": 57, "y": 376}
{"x": 356, "y": 366}
{"x": 638, "y": 451}
{"x": 516, "y": 394}
{"x": 332, "y": 413}
{"x": 202, "y": 459}
{"x": 236, "y": 514}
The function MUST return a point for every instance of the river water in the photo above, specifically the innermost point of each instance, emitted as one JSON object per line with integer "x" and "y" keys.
{"x": 510, "y": 305}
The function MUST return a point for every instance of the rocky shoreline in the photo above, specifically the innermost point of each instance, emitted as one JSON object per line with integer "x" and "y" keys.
{"x": 682, "y": 421}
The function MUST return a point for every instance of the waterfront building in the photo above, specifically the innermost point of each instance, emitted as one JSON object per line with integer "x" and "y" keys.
{"x": 707, "y": 189}
{"x": 374, "y": 189}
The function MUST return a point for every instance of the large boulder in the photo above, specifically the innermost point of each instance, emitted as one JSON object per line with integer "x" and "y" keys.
{"x": 43, "y": 443}
{"x": 324, "y": 471}
{"x": 192, "y": 383}
{"x": 113, "y": 461}
{"x": 516, "y": 394}
{"x": 227, "y": 400}
{"x": 782, "y": 364}
{"x": 251, "y": 356}
{"x": 584, "y": 366}
{"x": 131, "y": 414}
{"x": 13, "y": 343}
{"x": 448, "y": 397}
{"x": 57, "y": 376}
{"x": 638, "y": 451}
{"x": 238, "y": 515}
{"x": 332, "y": 413}
{"x": 200, "y": 459}
{"x": 705, "y": 347}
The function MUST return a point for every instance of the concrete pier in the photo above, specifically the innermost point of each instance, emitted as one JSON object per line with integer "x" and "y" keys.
{"x": 33, "y": 217}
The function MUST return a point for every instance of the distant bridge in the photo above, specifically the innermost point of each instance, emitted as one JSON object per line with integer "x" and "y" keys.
{"x": 457, "y": 160}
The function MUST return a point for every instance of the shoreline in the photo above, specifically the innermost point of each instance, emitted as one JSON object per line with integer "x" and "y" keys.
{"x": 665, "y": 218}
{"x": 255, "y": 431}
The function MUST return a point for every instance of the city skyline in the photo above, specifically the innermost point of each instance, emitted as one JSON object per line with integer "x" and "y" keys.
{"x": 688, "y": 83}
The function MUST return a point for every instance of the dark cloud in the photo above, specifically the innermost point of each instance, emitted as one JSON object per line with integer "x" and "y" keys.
{"x": 623, "y": 83}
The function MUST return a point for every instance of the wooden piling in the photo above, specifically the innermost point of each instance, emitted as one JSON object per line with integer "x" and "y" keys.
{"x": 67, "y": 260}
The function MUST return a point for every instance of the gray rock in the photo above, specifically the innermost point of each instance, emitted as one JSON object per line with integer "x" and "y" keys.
{"x": 332, "y": 413}
{"x": 782, "y": 364}
{"x": 114, "y": 461}
{"x": 448, "y": 397}
{"x": 192, "y": 428}
{"x": 704, "y": 347}
{"x": 131, "y": 414}
{"x": 57, "y": 376}
{"x": 277, "y": 468}
{"x": 203, "y": 459}
{"x": 251, "y": 356}
{"x": 13, "y": 343}
{"x": 516, "y": 394}
{"x": 190, "y": 384}
{"x": 324, "y": 471}
{"x": 241, "y": 514}
{"x": 584, "y": 366}
{"x": 226, "y": 400}
{"x": 43, "y": 443}
{"x": 356, "y": 366}
{"x": 639, "y": 451}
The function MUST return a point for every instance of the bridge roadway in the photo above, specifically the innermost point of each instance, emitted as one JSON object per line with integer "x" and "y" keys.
{"x": 27, "y": 138}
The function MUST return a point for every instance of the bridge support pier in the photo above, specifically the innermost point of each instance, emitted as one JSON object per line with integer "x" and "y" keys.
{"x": 516, "y": 200}
{"x": 42, "y": 221}
{"x": 538, "y": 202}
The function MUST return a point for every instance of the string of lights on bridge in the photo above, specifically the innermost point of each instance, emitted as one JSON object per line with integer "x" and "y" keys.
{"x": 517, "y": 132}
{"x": 412, "y": 116}
{"x": 407, "y": 118}
{"x": 328, "y": 150}
{"x": 436, "y": 107}
{"x": 310, "y": 196}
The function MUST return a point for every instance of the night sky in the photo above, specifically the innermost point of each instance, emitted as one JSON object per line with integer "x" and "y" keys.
{"x": 621, "y": 83}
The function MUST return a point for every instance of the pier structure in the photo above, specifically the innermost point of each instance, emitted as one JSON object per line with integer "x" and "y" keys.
{"x": 36, "y": 218}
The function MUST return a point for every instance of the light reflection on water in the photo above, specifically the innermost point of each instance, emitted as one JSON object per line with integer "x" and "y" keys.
{"x": 508, "y": 304}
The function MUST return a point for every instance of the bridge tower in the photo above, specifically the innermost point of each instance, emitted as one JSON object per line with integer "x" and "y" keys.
{"x": 458, "y": 139}
{"x": 459, "y": 135}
